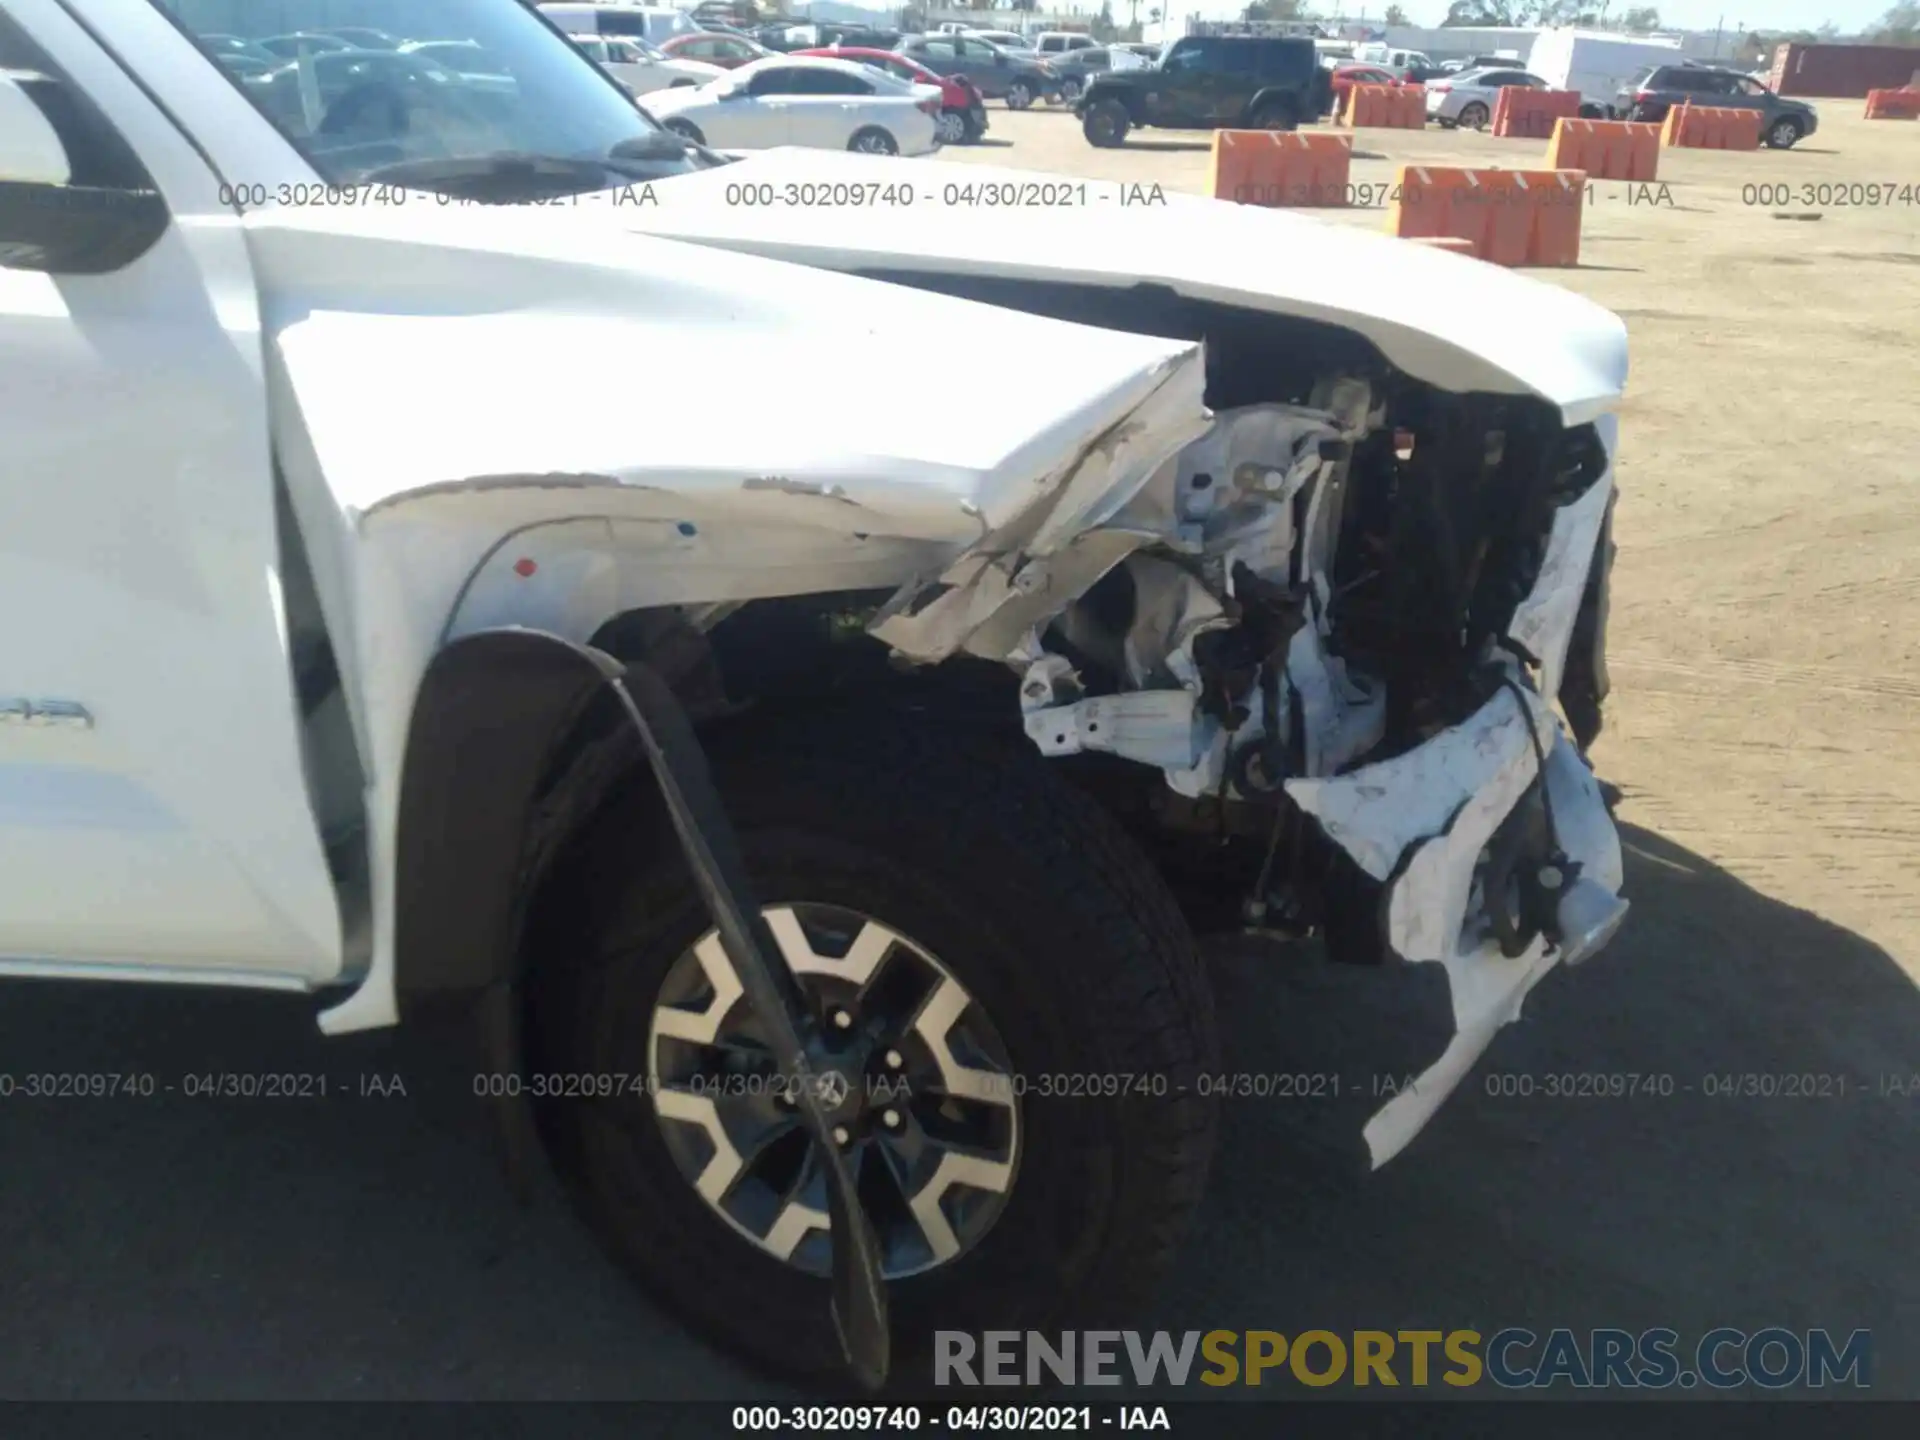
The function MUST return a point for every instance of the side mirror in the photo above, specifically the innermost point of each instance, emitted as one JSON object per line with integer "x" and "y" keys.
{"x": 47, "y": 222}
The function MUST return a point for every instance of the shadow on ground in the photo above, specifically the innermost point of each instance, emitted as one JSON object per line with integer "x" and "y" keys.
{"x": 361, "y": 1247}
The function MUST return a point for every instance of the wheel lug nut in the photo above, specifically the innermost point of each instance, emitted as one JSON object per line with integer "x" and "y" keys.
{"x": 891, "y": 1118}
{"x": 840, "y": 1136}
{"x": 843, "y": 1019}
{"x": 894, "y": 1060}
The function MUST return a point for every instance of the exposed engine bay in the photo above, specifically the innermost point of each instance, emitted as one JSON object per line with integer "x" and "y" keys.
{"x": 1339, "y": 635}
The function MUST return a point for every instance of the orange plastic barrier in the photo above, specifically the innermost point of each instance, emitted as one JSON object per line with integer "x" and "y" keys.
{"x": 1711, "y": 127}
{"x": 1901, "y": 104}
{"x": 1605, "y": 149}
{"x": 1531, "y": 113}
{"x": 1385, "y": 107}
{"x": 1511, "y": 217}
{"x": 1281, "y": 167}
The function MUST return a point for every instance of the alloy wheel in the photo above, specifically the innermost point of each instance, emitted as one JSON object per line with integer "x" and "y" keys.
{"x": 916, "y": 1075}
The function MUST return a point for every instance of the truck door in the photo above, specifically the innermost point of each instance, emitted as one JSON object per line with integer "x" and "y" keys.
{"x": 154, "y": 818}
{"x": 1183, "y": 95}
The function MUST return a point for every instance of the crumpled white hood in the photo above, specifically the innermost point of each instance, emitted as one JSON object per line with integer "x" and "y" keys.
{"x": 470, "y": 350}
{"x": 1457, "y": 323}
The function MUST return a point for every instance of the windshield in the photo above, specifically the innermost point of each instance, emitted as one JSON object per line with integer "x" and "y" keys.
{"x": 452, "y": 84}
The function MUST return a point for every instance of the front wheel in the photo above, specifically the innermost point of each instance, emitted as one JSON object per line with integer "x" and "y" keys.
{"x": 1784, "y": 133}
{"x": 873, "y": 141}
{"x": 1019, "y": 95}
{"x": 953, "y": 127}
{"x": 1014, "y": 1026}
{"x": 1105, "y": 124}
{"x": 1069, "y": 93}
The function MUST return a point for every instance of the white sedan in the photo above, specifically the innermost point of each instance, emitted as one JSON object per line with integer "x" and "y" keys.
{"x": 1467, "y": 99}
{"x": 798, "y": 100}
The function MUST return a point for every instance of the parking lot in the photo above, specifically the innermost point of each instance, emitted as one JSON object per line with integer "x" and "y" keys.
{"x": 1766, "y": 666}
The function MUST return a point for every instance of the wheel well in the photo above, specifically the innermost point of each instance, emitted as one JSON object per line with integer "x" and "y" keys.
{"x": 488, "y": 809}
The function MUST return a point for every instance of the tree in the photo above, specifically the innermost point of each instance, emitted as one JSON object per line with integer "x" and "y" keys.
{"x": 1103, "y": 27}
{"x": 1271, "y": 10}
{"x": 1479, "y": 12}
{"x": 1397, "y": 16}
{"x": 1899, "y": 26}
{"x": 1643, "y": 18}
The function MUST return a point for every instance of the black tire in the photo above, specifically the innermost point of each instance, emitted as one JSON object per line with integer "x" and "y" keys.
{"x": 1020, "y": 95}
{"x": 686, "y": 129}
{"x": 1473, "y": 116}
{"x": 1784, "y": 133}
{"x": 1070, "y": 89}
{"x": 1035, "y": 901}
{"x": 1106, "y": 124}
{"x": 872, "y": 140}
{"x": 1273, "y": 115}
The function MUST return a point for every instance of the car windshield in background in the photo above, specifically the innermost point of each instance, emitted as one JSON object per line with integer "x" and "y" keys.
{"x": 430, "y": 93}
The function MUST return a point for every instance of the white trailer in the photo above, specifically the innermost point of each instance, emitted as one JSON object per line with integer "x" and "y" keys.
{"x": 1597, "y": 65}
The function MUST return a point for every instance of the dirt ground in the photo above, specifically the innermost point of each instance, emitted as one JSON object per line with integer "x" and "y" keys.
{"x": 1766, "y": 635}
{"x": 1766, "y": 624}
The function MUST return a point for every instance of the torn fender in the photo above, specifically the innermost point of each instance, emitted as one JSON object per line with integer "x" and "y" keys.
{"x": 473, "y": 408}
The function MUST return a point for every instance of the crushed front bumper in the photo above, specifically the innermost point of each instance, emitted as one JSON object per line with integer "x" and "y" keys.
{"x": 1488, "y": 843}
{"x": 1421, "y": 825}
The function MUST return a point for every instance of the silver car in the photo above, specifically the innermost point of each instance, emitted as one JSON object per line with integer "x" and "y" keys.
{"x": 1467, "y": 99}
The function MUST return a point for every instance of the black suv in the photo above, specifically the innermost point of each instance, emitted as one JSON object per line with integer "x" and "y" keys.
{"x": 1657, "y": 90}
{"x": 1210, "y": 82}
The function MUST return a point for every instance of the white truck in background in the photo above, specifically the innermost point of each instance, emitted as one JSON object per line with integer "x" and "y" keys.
{"x": 1597, "y": 65}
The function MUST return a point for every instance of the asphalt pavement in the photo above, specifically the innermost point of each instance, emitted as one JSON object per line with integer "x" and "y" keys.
{"x": 362, "y": 1246}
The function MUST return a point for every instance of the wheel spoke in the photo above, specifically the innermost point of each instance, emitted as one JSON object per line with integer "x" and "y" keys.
{"x": 955, "y": 1169}
{"x": 933, "y": 1024}
{"x": 870, "y": 946}
{"x": 726, "y": 1164}
{"x": 703, "y": 1026}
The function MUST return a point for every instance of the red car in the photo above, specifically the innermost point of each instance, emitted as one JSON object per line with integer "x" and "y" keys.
{"x": 1345, "y": 77}
{"x": 963, "y": 109}
{"x": 729, "y": 52}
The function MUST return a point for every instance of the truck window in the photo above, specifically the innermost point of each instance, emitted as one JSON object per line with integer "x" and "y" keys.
{"x": 1186, "y": 55}
{"x": 544, "y": 95}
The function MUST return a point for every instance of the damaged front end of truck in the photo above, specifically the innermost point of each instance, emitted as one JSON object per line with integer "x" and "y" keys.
{"x": 1339, "y": 579}
{"x": 1339, "y": 629}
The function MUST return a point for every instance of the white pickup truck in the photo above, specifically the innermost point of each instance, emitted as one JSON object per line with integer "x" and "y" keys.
{"x": 453, "y": 549}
